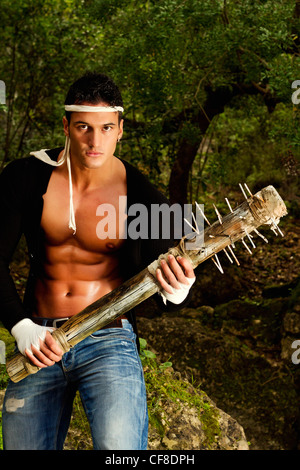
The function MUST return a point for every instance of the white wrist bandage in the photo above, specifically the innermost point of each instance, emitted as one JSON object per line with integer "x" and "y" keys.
{"x": 27, "y": 333}
{"x": 179, "y": 295}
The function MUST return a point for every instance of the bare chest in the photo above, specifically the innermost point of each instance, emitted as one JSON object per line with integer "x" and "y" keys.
{"x": 99, "y": 215}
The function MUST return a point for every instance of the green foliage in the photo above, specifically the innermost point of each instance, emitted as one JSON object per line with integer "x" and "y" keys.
{"x": 167, "y": 56}
{"x": 250, "y": 144}
{"x": 1, "y": 439}
{"x": 148, "y": 358}
{"x": 46, "y": 45}
{"x": 9, "y": 349}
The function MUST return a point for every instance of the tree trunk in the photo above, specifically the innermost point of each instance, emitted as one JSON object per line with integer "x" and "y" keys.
{"x": 187, "y": 150}
{"x": 215, "y": 102}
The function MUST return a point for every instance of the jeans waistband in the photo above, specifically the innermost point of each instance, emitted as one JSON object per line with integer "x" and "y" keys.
{"x": 57, "y": 322}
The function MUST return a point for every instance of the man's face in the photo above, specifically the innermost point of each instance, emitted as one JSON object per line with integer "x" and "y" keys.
{"x": 93, "y": 136}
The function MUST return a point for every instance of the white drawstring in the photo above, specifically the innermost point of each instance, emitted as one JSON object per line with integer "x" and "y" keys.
{"x": 72, "y": 223}
{"x": 42, "y": 155}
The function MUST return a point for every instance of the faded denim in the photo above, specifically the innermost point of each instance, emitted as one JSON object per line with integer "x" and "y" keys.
{"x": 106, "y": 369}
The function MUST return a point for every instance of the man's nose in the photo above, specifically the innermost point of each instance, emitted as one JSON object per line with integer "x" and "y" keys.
{"x": 95, "y": 139}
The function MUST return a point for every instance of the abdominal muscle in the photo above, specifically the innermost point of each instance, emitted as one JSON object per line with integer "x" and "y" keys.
{"x": 74, "y": 278}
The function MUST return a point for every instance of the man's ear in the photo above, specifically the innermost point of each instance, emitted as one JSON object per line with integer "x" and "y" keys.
{"x": 120, "y": 134}
{"x": 66, "y": 126}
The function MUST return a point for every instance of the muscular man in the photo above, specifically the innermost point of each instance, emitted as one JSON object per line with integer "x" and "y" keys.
{"x": 53, "y": 198}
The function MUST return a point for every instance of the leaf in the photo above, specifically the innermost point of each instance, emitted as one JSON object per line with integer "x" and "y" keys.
{"x": 150, "y": 354}
{"x": 143, "y": 343}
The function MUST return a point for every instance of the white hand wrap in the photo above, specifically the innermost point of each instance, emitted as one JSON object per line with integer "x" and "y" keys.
{"x": 27, "y": 333}
{"x": 179, "y": 295}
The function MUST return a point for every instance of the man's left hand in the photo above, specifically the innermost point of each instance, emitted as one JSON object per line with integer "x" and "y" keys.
{"x": 176, "y": 278}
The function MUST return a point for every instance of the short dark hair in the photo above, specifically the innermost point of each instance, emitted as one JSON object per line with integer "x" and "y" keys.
{"x": 94, "y": 88}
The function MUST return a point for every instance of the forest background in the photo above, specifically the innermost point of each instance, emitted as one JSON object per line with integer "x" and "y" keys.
{"x": 209, "y": 88}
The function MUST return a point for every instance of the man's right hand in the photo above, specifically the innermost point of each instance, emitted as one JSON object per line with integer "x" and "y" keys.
{"x": 36, "y": 342}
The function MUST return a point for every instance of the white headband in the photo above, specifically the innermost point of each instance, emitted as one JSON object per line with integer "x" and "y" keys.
{"x": 93, "y": 109}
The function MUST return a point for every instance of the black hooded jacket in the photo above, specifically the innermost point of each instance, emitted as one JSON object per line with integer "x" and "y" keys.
{"x": 22, "y": 185}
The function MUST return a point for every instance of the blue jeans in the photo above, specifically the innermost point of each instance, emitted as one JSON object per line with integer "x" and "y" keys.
{"x": 106, "y": 369}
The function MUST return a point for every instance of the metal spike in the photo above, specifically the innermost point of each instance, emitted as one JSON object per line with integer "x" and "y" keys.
{"x": 218, "y": 214}
{"x": 280, "y": 231}
{"x": 274, "y": 230}
{"x": 218, "y": 264}
{"x": 225, "y": 251}
{"x": 235, "y": 258}
{"x": 250, "y": 239}
{"x": 191, "y": 226}
{"x": 277, "y": 228}
{"x": 261, "y": 236}
{"x": 228, "y": 204}
{"x": 248, "y": 190}
{"x": 242, "y": 189}
{"x": 202, "y": 213}
{"x": 196, "y": 225}
{"x": 243, "y": 241}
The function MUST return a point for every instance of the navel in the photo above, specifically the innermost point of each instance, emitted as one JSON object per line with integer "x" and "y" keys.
{"x": 110, "y": 246}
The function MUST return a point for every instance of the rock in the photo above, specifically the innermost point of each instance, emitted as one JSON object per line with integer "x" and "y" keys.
{"x": 252, "y": 387}
{"x": 2, "y": 393}
{"x": 233, "y": 435}
{"x": 180, "y": 426}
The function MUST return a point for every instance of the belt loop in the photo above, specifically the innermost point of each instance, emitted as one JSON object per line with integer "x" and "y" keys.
{"x": 59, "y": 320}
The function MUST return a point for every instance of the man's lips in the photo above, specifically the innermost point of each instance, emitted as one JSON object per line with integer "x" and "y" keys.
{"x": 94, "y": 154}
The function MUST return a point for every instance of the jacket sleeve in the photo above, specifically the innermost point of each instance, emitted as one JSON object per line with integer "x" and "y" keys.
{"x": 11, "y": 307}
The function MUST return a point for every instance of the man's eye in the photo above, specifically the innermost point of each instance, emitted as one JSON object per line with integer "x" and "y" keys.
{"x": 83, "y": 127}
{"x": 107, "y": 128}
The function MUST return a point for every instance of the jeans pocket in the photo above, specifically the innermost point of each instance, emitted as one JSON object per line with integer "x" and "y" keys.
{"x": 125, "y": 333}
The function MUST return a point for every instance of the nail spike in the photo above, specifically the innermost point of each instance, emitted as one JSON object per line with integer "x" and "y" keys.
{"x": 218, "y": 214}
{"x": 225, "y": 251}
{"x": 202, "y": 213}
{"x": 280, "y": 231}
{"x": 274, "y": 230}
{"x": 196, "y": 225}
{"x": 191, "y": 226}
{"x": 242, "y": 189}
{"x": 261, "y": 236}
{"x": 243, "y": 241}
{"x": 228, "y": 203}
{"x": 218, "y": 264}
{"x": 235, "y": 258}
{"x": 248, "y": 190}
{"x": 277, "y": 228}
{"x": 250, "y": 239}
